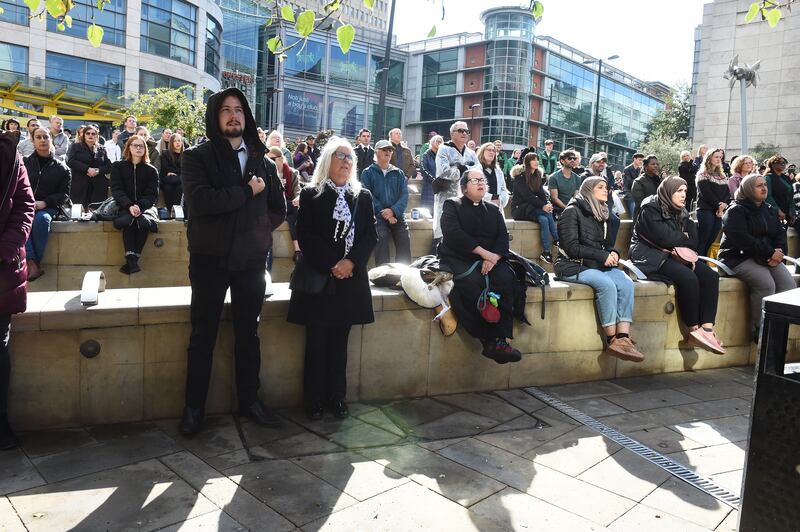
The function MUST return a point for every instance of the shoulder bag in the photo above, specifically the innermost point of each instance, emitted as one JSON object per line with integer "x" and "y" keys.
{"x": 682, "y": 254}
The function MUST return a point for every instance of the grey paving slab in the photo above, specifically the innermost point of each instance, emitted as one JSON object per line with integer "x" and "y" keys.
{"x": 325, "y": 426}
{"x": 454, "y": 425}
{"x": 115, "y": 431}
{"x": 718, "y": 375}
{"x": 106, "y": 454}
{"x": 552, "y": 486}
{"x": 554, "y": 417}
{"x": 651, "y": 399}
{"x": 381, "y": 420}
{"x": 44, "y": 442}
{"x": 435, "y": 445}
{"x": 456, "y": 482}
{"x": 626, "y": 474}
{"x": 407, "y": 508}
{"x": 413, "y": 412}
{"x": 597, "y": 407}
{"x": 217, "y": 521}
{"x": 358, "y": 409}
{"x": 289, "y": 489}
{"x": 257, "y": 435}
{"x": 730, "y": 523}
{"x": 226, "y": 494}
{"x": 682, "y": 500}
{"x": 717, "y": 390}
{"x": 9, "y": 520}
{"x": 484, "y": 404}
{"x": 664, "y": 440}
{"x": 712, "y": 460}
{"x": 520, "y": 442}
{"x": 716, "y": 431}
{"x": 17, "y": 473}
{"x": 731, "y": 481}
{"x": 521, "y": 399}
{"x": 714, "y": 409}
{"x": 574, "y": 452}
{"x": 300, "y": 444}
{"x": 585, "y": 390}
{"x": 522, "y": 422}
{"x": 232, "y": 459}
{"x": 364, "y": 435}
{"x": 656, "y": 382}
{"x": 142, "y": 496}
{"x": 354, "y": 474}
{"x": 642, "y": 517}
{"x": 219, "y": 436}
{"x": 514, "y": 510}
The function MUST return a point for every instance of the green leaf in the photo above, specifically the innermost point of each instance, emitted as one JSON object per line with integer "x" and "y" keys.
{"x": 538, "y": 9}
{"x": 752, "y": 12}
{"x": 287, "y": 13}
{"x": 333, "y": 5}
{"x": 61, "y": 26}
{"x": 432, "y": 33}
{"x": 95, "y": 35}
{"x": 55, "y": 8}
{"x": 345, "y": 35}
{"x": 273, "y": 44}
{"x": 2, "y": 10}
{"x": 773, "y": 16}
{"x": 369, "y": 4}
{"x": 33, "y": 5}
{"x": 305, "y": 23}
{"x": 68, "y": 21}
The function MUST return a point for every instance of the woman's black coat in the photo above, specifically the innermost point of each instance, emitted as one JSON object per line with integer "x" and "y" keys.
{"x": 466, "y": 226}
{"x": 652, "y": 230}
{"x": 50, "y": 182}
{"x": 585, "y": 240}
{"x": 170, "y": 164}
{"x": 352, "y": 302}
{"x": 81, "y": 160}
{"x": 527, "y": 204}
{"x": 134, "y": 185}
{"x": 750, "y": 231}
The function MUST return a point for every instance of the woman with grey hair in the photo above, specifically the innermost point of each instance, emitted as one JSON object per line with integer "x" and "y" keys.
{"x": 276, "y": 139}
{"x": 336, "y": 231}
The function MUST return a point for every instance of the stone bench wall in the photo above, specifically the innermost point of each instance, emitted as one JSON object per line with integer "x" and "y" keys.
{"x": 143, "y": 333}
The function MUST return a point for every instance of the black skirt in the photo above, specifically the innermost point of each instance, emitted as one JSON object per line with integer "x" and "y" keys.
{"x": 464, "y": 301}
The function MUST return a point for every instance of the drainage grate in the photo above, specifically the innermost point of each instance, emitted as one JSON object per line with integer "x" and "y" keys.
{"x": 674, "y": 468}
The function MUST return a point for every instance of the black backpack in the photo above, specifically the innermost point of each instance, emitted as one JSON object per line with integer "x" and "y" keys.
{"x": 529, "y": 273}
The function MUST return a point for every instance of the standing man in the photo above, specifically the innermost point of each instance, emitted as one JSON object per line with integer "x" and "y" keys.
{"x": 364, "y": 152}
{"x": 564, "y": 183}
{"x": 26, "y": 147}
{"x": 236, "y": 201}
{"x": 452, "y": 160}
{"x": 313, "y": 151}
{"x": 60, "y": 139}
{"x": 128, "y": 130}
{"x": 389, "y": 199}
{"x": 647, "y": 183}
{"x": 629, "y": 174}
{"x": 549, "y": 158}
{"x": 402, "y": 156}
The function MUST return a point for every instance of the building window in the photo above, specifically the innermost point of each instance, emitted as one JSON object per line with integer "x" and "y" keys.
{"x": 345, "y": 116}
{"x": 154, "y": 80}
{"x": 15, "y": 12}
{"x": 302, "y": 110}
{"x": 111, "y": 18}
{"x": 348, "y": 69}
{"x": 393, "y": 118}
{"x": 169, "y": 29}
{"x": 213, "y": 46}
{"x": 510, "y": 25}
{"x": 13, "y": 61}
{"x": 84, "y": 78}
{"x": 395, "y": 73}
{"x": 305, "y": 61}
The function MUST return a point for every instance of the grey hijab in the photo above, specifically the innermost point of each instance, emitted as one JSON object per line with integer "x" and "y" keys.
{"x": 599, "y": 208}
{"x": 747, "y": 189}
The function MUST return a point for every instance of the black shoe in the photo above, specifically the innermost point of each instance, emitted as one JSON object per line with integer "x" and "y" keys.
{"x": 131, "y": 265}
{"x": 501, "y": 351}
{"x": 259, "y": 414}
{"x": 338, "y": 408}
{"x": 314, "y": 412}
{"x": 191, "y": 422}
{"x": 547, "y": 257}
{"x": 8, "y": 440}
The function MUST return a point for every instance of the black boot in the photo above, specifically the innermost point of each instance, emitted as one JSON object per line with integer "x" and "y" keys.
{"x": 191, "y": 421}
{"x": 8, "y": 440}
{"x": 131, "y": 265}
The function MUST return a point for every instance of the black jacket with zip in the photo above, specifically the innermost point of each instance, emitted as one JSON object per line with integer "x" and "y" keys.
{"x": 585, "y": 241}
{"x": 750, "y": 231}
{"x": 134, "y": 185}
{"x": 50, "y": 182}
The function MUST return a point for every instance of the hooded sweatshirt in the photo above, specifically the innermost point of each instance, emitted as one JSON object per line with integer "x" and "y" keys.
{"x": 229, "y": 227}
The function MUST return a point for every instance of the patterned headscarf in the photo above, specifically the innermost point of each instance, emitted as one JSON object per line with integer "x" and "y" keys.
{"x": 342, "y": 215}
{"x": 599, "y": 208}
{"x": 665, "y": 190}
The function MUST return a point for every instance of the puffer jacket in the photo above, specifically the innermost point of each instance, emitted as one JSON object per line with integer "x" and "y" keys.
{"x": 526, "y": 204}
{"x": 585, "y": 241}
{"x": 750, "y": 231}
{"x": 50, "y": 182}
{"x": 655, "y": 234}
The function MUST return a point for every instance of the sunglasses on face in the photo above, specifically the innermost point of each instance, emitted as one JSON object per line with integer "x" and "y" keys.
{"x": 571, "y": 158}
{"x": 343, "y": 156}
{"x": 89, "y": 134}
{"x": 462, "y": 131}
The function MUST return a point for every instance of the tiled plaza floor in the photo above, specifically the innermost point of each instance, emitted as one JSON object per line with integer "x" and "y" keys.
{"x": 478, "y": 461}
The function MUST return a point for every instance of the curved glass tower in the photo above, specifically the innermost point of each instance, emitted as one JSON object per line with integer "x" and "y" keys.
{"x": 509, "y": 55}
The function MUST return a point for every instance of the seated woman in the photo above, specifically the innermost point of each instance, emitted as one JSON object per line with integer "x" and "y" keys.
{"x": 531, "y": 202}
{"x": 661, "y": 225}
{"x": 302, "y": 162}
{"x": 589, "y": 258}
{"x": 753, "y": 245}
{"x": 50, "y": 180}
{"x": 171, "y": 172}
{"x": 134, "y": 186}
{"x": 290, "y": 179}
{"x": 474, "y": 245}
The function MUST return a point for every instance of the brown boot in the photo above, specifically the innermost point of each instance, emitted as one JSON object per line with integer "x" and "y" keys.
{"x": 623, "y": 349}
{"x": 34, "y": 270}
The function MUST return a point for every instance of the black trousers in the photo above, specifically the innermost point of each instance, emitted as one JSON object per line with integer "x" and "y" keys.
{"x": 697, "y": 291}
{"x": 134, "y": 238}
{"x": 5, "y": 362}
{"x": 209, "y": 284}
{"x": 325, "y": 372}
{"x": 172, "y": 195}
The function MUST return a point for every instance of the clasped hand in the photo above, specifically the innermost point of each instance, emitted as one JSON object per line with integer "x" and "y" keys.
{"x": 488, "y": 262}
{"x": 776, "y": 258}
{"x": 612, "y": 259}
{"x": 343, "y": 269}
{"x": 135, "y": 210}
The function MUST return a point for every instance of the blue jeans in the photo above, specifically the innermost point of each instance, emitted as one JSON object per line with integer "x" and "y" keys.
{"x": 631, "y": 204}
{"x": 547, "y": 225}
{"x": 40, "y": 232}
{"x": 708, "y": 226}
{"x": 613, "y": 294}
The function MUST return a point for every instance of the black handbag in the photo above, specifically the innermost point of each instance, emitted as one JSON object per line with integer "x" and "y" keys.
{"x": 307, "y": 280}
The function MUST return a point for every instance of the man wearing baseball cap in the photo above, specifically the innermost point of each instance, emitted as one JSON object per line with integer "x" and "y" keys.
{"x": 597, "y": 168}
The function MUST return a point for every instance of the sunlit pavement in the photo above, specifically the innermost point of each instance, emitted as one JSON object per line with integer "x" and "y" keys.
{"x": 479, "y": 461}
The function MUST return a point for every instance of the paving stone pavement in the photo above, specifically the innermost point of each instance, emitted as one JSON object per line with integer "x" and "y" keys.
{"x": 473, "y": 461}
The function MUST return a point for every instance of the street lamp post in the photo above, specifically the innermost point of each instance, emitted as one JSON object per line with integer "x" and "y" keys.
{"x": 472, "y": 119}
{"x": 597, "y": 98}
{"x": 550, "y": 113}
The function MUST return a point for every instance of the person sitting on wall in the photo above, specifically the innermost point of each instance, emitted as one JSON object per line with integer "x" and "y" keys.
{"x": 531, "y": 202}
{"x": 474, "y": 248}
{"x": 497, "y": 191}
{"x": 170, "y": 180}
{"x": 290, "y": 179}
{"x": 564, "y": 183}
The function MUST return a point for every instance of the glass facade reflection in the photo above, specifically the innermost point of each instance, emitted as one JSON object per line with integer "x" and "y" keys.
{"x": 305, "y": 62}
{"x": 169, "y": 29}
{"x": 348, "y": 69}
{"x": 15, "y": 12}
{"x": 506, "y": 25}
{"x": 111, "y": 18}
{"x": 392, "y": 119}
{"x": 213, "y": 46}
{"x": 345, "y": 115}
{"x": 85, "y": 78}
{"x": 396, "y": 75}
{"x": 302, "y": 110}
{"x": 439, "y": 85}
{"x": 13, "y": 59}
{"x": 153, "y": 80}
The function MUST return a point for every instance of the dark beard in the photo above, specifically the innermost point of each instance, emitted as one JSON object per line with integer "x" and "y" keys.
{"x": 232, "y": 132}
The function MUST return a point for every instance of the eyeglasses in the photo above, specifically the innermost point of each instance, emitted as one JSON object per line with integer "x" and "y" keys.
{"x": 90, "y": 134}
{"x": 137, "y": 146}
{"x": 571, "y": 158}
{"x": 343, "y": 156}
{"x": 476, "y": 180}
{"x": 462, "y": 131}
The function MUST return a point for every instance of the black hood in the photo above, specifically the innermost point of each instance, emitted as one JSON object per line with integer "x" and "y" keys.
{"x": 213, "y": 132}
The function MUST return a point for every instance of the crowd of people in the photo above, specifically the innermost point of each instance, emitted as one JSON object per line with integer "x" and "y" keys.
{"x": 345, "y": 203}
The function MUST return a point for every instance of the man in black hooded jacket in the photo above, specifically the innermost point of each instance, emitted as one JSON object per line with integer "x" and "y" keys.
{"x": 236, "y": 201}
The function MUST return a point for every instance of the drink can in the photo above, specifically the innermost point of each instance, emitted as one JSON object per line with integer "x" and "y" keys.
{"x": 415, "y": 214}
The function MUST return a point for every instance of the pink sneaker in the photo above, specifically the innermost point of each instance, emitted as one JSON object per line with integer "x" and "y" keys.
{"x": 706, "y": 340}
